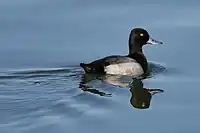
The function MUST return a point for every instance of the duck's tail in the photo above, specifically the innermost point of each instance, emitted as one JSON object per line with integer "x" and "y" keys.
{"x": 86, "y": 67}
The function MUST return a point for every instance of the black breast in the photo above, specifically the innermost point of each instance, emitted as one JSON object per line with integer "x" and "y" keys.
{"x": 141, "y": 59}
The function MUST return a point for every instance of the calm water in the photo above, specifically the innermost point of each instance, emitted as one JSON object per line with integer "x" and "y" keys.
{"x": 43, "y": 89}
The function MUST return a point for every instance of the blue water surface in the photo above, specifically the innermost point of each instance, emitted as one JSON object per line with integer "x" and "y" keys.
{"x": 43, "y": 89}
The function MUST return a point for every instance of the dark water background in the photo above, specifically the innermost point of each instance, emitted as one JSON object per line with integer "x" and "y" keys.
{"x": 42, "y": 43}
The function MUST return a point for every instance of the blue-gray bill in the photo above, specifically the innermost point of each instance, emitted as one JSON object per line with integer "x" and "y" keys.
{"x": 153, "y": 41}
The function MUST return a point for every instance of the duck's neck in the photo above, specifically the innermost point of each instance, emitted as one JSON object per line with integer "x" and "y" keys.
{"x": 134, "y": 48}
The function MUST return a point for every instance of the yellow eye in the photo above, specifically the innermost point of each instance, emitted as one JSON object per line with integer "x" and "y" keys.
{"x": 141, "y": 34}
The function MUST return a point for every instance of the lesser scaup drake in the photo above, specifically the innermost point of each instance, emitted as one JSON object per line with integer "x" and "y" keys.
{"x": 133, "y": 64}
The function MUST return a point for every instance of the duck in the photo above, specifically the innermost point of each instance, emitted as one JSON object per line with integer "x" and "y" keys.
{"x": 133, "y": 64}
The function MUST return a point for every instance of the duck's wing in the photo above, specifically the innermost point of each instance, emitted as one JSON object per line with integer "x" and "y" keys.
{"x": 98, "y": 66}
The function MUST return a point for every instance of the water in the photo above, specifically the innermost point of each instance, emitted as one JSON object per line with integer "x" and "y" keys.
{"x": 43, "y": 89}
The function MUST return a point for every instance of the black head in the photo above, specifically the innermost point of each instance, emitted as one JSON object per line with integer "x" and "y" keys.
{"x": 138, "y": 38}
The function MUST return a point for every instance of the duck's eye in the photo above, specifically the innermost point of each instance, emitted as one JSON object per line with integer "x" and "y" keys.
{"x": 141, "y": 34}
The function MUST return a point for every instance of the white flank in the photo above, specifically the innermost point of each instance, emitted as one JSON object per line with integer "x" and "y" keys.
{"x": 131, "y": 68}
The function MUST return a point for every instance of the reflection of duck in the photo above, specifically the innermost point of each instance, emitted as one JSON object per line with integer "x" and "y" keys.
{"x": 110, "y": 79}
{"x": 141, "y": 97}
{"x": 87, "y": 78}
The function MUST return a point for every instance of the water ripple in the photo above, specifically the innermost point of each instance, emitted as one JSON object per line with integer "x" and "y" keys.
{"x": 35, "y": 93}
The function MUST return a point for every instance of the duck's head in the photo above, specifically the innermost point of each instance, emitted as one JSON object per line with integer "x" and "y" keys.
{"x": 138, "y": 38}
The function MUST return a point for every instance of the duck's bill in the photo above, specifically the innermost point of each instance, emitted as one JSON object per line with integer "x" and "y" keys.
{"x": 153, "y": 41}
